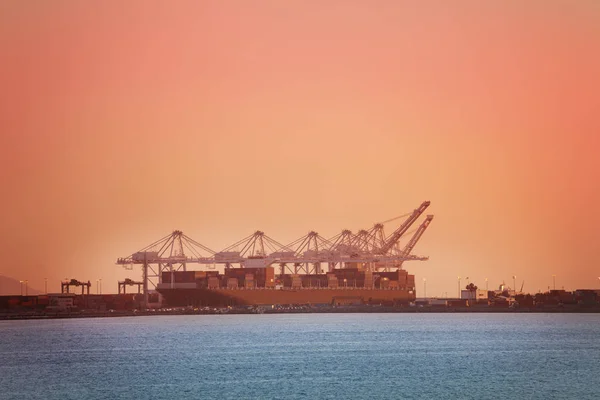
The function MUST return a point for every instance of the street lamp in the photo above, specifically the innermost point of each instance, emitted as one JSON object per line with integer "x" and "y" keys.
{"x": 26, "y": 286}
{"x": 486, "y": 284}
{"x": 514, "y": 284}
{"x": 46, "y": 285}
{"x": 100, "y": 285}
{"x": 424, "y": 288}
{"x": 554, "y": 282}
{"x": 459, "y": 287}
{"x": 21, "y": 285}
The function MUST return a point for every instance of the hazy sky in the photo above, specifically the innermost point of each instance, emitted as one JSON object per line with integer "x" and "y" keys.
{"x": 121, "y": 121}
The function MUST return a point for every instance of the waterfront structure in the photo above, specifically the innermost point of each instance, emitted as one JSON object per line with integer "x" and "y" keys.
{"x": 473, "y": 294}
{"x": 310, "y": 258}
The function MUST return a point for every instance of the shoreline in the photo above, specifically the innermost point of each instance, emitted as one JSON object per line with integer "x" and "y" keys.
{"x": 300, "y": 310}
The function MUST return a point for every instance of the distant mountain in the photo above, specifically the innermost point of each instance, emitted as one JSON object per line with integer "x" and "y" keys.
{"x": 10, "y": 286}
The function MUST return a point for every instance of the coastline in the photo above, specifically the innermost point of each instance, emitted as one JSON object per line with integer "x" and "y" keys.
{"x": 299, "y": 310}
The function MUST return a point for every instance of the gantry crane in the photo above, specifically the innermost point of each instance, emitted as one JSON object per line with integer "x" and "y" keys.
{"x": 397, "y": 234}
{"x": 166, "y": 254}
{"x": 129, "y": 282}
{"x": 65, "y": 286}
{"x": 415, "y": 238}
{"x": 306, "y": 254}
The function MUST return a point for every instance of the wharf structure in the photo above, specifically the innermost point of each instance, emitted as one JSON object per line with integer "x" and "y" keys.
{"x": 61, "y": 305}
{"x": 349, "y": 268}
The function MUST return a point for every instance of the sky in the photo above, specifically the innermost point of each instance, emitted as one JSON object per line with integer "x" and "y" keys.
{"x": 120, "y": 122}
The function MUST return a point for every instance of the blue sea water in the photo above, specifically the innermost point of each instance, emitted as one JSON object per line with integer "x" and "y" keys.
{"x": 303, "y": 356}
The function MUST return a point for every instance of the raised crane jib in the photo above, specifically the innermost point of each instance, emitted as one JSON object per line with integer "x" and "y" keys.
{"x": 413, "y": 241}
{"x": 394, "y": 237}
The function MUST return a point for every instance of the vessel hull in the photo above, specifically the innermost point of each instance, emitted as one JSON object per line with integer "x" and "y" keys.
{"x": 202, "y": 297}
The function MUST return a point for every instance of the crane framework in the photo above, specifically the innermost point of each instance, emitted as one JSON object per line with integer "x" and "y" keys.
{"x": 372, "y": 249}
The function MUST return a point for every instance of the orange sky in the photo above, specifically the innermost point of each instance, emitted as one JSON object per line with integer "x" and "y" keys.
{"x": 121, "y": 122}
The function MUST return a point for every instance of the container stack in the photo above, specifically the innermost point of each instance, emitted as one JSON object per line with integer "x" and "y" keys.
{"x": 213, "y": 282}
{"x": 402, "y": 278}
{"x": 249, "y": 281}
{"x": 384, "y": 283}
{"x": 368, "y": 280}
{"x": 332, "y": 281}
{"x": 296, "y": 282}
{"x": 232, "y": 283}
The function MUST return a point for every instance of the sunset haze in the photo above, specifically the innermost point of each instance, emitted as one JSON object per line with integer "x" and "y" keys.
{"x": 121, "y": 122}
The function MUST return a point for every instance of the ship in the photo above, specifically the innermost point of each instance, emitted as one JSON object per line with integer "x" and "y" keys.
{"x": 361, "y": 268}
{"x": 262, "y": 287}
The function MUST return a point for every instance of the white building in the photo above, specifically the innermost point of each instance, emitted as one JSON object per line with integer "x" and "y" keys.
{"x": 61, "y": 301}
{"x": 477, "y": 294}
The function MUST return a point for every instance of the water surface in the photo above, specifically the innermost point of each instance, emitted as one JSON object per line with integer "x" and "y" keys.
{"x": 303, "y": 356}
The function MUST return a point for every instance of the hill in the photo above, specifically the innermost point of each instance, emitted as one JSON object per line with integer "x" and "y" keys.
{"x": 10, "y": 286}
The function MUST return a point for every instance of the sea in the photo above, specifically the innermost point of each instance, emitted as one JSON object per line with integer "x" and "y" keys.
{"x": 303, "y": 356}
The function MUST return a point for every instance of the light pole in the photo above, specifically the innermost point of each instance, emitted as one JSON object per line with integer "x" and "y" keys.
{"x": 424, "y": 288}
{"x": 459, "y": 287}
{"x": 486, "y": 285}
{"x": 514, "y": 284}
{"x": 46, "y": 285}
{"x": 21, "y": 285}
{"x": 100, "y": 285}
{"x": 554, "y": 282}
{"x": 26, "y": 287}
{"x": 97, "y": 286}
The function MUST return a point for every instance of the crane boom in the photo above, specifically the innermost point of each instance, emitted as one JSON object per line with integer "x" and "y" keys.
{"x": 394, "y": 237}
{"x": 413, "y": 241}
